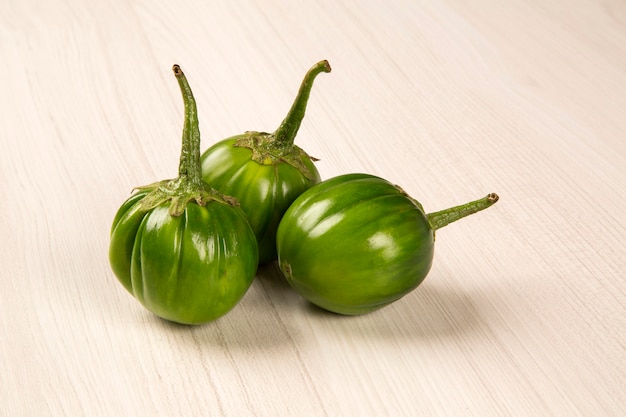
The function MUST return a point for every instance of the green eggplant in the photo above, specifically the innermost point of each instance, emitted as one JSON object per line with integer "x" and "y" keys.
{"x": 185, "y": 251}
{"x": 265, "y": 171}
{"x": 355, "y": 243}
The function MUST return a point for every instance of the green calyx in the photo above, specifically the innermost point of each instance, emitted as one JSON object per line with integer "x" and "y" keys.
{"x": 189, "y": 185}
{"x": 179, "y": 192}
{"x": 443, "y": 218}
{"x": 266, "y": 151}
{"x": 272, "y": 148}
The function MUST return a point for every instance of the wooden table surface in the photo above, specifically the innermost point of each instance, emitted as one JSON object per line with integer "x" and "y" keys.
{"x": 523, "y": 312}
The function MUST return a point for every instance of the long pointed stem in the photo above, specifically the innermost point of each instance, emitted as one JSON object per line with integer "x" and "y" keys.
{"x": 190, "y": 153}
{"x": 188, "y": 186}
{"x": 443, "y": 218}
{"x": 286, "y": 132}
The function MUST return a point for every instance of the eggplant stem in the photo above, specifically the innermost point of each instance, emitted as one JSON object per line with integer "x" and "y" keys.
{"x": 443, "y": 218}
{"x": 286, "y": 133}
{"x": 189, "y": 166}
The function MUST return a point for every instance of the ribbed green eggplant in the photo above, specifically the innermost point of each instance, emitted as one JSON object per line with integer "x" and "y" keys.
{"x": 265, "y": 171}
{"x": 356, "y": 243}
{"x": 184, "y": 250}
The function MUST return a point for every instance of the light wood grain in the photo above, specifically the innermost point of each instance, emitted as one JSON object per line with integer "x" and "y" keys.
{"x": 523, "y": 313}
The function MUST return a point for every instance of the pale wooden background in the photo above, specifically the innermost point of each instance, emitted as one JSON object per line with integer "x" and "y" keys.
{"x": 523, "y": 313}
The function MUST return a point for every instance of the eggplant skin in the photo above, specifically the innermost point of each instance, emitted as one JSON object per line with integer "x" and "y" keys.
{"x": 190, "y": 269}
{"x": 354, "y": 243}
{"x": 264, "y": 191}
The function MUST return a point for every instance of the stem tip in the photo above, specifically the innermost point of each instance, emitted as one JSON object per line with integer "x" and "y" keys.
{"x": 177, "y": 71}
{"x": 493, "y": 198}
{"x": 326, "y": 65}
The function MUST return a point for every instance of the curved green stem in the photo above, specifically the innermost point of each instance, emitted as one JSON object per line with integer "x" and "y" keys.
{"x": 443, "y": 218}
{"x": 190, "y": 153}
{"x": 188, "y": 186}
{"x": 286, "y": 133}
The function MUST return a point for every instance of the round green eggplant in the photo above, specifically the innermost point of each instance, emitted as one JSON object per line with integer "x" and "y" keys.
{"x": 185, "y": 251}
{"x": 356, "y": 243}
{"x": 191, "y": 268}
{"x": 265, "y": 171}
